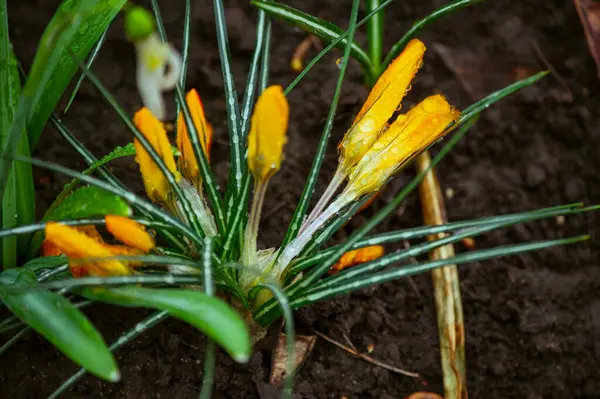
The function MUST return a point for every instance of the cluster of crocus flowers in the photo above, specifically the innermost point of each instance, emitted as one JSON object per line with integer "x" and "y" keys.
{"x": 188, "y": 175}
{"x": 158, "y": 63}
{"x": 89, "y": 254}
{"x": 373, "y": 151}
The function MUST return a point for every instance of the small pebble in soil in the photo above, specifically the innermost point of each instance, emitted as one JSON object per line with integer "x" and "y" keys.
{"x": 535, "y": 176}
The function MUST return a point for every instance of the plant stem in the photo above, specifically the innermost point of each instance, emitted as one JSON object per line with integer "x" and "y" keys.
{"x": 249, "y": 252}
{"x": 336, "y": 181}
{"x": 375, "y": 38}
{"x": 446, "y": 285}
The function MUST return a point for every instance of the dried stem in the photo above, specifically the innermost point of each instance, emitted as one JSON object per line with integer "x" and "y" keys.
{"x": 352, "y": 350}
{"x": 446, "y": 288}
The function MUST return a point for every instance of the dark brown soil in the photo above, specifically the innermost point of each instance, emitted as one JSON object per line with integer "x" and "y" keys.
{"x": 532, "y": 321}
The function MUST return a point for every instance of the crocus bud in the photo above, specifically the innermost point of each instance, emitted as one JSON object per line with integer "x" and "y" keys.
{"x": 188, "y": 163}
{"x": 268, "y": 133}
{"x": 406, "y": 138}
{"x": 129, "y": 232}
{"x": 356, "y": 257}
{"x": 156, "y": 184}
{"x": 79, "y": 246}
{"x": 384, "y": 99}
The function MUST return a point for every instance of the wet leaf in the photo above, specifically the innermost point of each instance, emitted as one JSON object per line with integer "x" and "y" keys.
{"x": 61, "y": 323}
{"x": 210, "y": 315}
{"x": 89, "y": 201}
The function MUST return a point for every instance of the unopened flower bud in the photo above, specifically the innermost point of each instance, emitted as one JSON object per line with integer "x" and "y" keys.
{"x": 268, "y": 133}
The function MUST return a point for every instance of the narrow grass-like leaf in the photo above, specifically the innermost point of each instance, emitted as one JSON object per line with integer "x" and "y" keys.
{"x": 126, "y": 195}
{"x": 413, "y": 251}
{"x": 87, "y": 156}
{"x": 185, "y": 46}
{"x": 493, "y": 98}
{"x": 417, "y": 268}
{"x": 446, "y": 9}
{"x": 331, "y": 45}
{"x": 209, "y": 357}
{"x": 14, "y": 339}
{"x": 423, "y": 231}
{"x": 309, "y": 187}
{"x": 322, "y": 29}
{"x": 233, "y": 225}
{"x": 54, "y": 317}
{"x": 128, "y": 336}
{"x": 210, "y": 315}
{"x": 118, "y": 152}
{"x": 236, "y": 162}
{"x": 18, "y": 203}
{"x": 266, "y": 56}
{"x": 91, "y": 59}
{"x": 246, "y": 111}
{"x": 375, "y": 37}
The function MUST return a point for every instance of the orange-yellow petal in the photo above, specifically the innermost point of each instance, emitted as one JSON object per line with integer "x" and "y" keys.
{"x": 407, "y": 137}
{"x": 384, "y": 99}
{"x": 268, "y": 133}
{"x": 129, "y": 232}
{"x": 187, "y": 160}
{"x": 78, "y": 246}
{"x": 356, "y": 257}
{"x": 156, "y": 184}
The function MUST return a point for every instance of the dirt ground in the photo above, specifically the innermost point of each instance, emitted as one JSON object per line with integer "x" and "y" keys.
{"x": 532, "y": 321}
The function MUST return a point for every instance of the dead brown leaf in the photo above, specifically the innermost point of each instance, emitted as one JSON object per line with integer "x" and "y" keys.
{"x": 589, "y": 14}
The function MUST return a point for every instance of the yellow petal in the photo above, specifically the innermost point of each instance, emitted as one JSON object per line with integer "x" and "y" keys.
{"x": 187, "y": 160}
{"x": 356, "y": 257}
{"x": 156, "y": 184}
{"x": 77, "y": 245}
{"x": 129, "y": 232}
{"x": 407, "y": 137}
{"x": 268, "y": 133}
{"x": 383, "y": 100}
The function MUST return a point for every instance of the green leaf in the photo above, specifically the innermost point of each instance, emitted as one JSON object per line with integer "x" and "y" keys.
{"x": 74, "y": 29}
{"x": 71, "y": 33}
{"x": 210, "y": 315}
{"x": 89, "y": 201}
{"x": 313, "y": 25}
{"x": 118, "y": 152}
{"x": 18, "y": 203}
{"x": 61, "y": 323}
{"x": 45, "y": 262}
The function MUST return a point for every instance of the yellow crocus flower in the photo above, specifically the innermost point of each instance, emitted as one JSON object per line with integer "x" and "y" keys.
{"x": 129, "y": 232}
{"x": 407, "y": 137}
{"x": 384, "y": 99}
{"x": 156, "y": 184}
{"x": 187, "y": 160}
{"x": 268, "y": 133}
{"x": 77, "y": 245}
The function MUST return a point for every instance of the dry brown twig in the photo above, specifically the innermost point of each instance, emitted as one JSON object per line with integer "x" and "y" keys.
{"x": 355, "y": 352}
